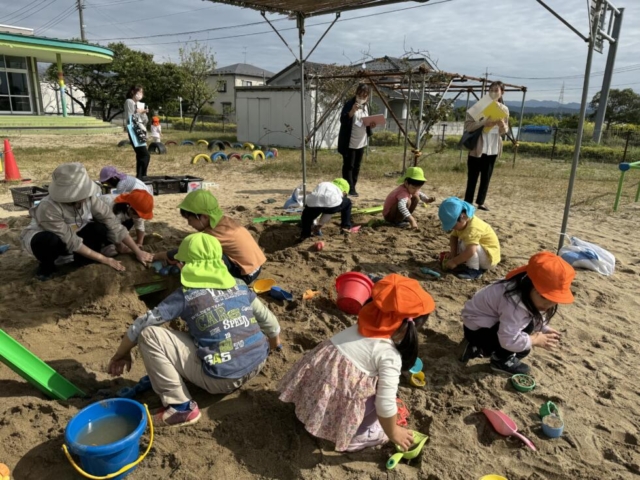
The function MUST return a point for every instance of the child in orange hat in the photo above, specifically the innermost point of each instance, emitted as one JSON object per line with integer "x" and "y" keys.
{"x": 131, "y": 209}
{"x": 506, "y": 319}
{"x": 156, "y": 129}
{"x": 345, "y": 389}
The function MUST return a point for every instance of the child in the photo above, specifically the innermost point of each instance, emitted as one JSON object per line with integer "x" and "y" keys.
{"x": 345, "y": 389}
{"x": 403, "y": 200}
{"x": 131, "y": 209}
{"x": 241, "y": 254}
{"x": 326, "y": 199}
{"x": 121, "y": 182}
{"x": 156, "y": 129}
{"x": 506, "y": 319}
{"x": 225, "y": 346}
{"x": 473, "y": 242}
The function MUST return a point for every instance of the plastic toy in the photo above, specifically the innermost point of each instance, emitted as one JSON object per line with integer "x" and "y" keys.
{"x": 505, "y": 426}
{"x": 419, "y": 440}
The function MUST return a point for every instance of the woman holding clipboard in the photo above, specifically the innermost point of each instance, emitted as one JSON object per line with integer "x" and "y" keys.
{"x": 483, "y": 157}
{"x": 133, "y": 112}
{"x": 353, "y": 136}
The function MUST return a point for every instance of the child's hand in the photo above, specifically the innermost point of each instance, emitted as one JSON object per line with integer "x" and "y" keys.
{"x": 548, "y": 341}
{"x": 119, "y": 364}
{"x": 450, "y": 265}
{"x": 413, "y": 223}
{"x": 115, "y": 264}
{"x": 402, "y": 437}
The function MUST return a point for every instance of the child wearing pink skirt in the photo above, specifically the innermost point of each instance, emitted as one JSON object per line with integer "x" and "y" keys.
{"x": 345, "y": 389}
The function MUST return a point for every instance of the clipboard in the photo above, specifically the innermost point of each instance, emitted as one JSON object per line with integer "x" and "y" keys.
{"x": 377, "y": 119}
{"x": 486, "y": 107}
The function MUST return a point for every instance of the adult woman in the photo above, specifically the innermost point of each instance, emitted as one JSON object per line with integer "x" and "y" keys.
{"x": 71, "y": 224}
{"x": 353, "y": 136}
{"x": 482, "y": 159}
{"x": 131, "y": 108}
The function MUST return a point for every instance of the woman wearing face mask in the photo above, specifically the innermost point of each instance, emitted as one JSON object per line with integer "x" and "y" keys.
{"x": 130, "y": 108}
{"x": 71, "y": 224}
{"x": 353, "y": 136}
{"x": 489, "y": 147}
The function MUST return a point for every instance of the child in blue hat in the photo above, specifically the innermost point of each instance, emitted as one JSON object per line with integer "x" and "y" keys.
{"x": 473, "y": 243}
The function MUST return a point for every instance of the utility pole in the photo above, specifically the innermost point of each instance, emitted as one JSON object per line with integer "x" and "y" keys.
{"x": 486, "y": 80}
{"x": 80, "y": 9}
{"x": 245, "y": 54}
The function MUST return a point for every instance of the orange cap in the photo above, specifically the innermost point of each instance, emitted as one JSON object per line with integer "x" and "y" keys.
{"x": 394, "y": 298}
{"x": 551, "y": 276}
{"x": 140, "y": 200}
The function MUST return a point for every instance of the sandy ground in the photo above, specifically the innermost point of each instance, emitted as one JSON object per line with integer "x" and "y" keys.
{"x": 75, "y": 322}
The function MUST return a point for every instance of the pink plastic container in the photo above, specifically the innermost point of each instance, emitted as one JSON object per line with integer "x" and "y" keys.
{"x": 354, "y": 289}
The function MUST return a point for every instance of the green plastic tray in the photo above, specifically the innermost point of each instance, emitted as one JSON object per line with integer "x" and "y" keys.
{"x": 296, "y": 218}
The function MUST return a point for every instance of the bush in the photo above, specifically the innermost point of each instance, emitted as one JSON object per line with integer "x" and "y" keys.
{"x": 384, "y": 138}
{"x": 178, "y": 123}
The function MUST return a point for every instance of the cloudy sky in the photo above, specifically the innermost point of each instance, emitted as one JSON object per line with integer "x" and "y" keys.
{"x": 517, "y": 40}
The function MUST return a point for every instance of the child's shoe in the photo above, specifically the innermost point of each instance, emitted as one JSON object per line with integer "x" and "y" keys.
{"x": 509, "y": 366}
{"x": 170, "y": 417}
{"x": 469, "y": 274}
{"x": 371, "y": 438}
{"x": 469, "y": 352}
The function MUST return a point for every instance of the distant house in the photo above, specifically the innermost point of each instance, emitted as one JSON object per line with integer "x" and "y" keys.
{"x": 226, "y": 79}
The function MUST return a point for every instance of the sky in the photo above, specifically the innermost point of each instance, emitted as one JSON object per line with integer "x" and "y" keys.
{"x": 516, "y": 41}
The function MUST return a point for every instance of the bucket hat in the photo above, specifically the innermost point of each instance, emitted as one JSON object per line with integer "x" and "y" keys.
{"x": 203, "y": 265}
{"x": 70, "y": 183}
{"x": 342, "y": 184}
{"x": 551, "y": 276}
{"x": 110, "y": 172}
{"x": 414, "y": 173}
{"x": 451, "y": 209}
{"x": 140, "y": 200}
{"x": 202, "y": 202}
{"x": 394, "y": 298}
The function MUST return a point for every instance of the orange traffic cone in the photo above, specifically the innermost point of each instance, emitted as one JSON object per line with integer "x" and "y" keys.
{"x": 11, "y": 174}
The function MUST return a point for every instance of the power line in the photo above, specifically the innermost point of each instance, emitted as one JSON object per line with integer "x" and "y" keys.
{"x": 159, "y": 16}
{"x": 9, "y": 16}
{"x": 628, "y": 68}
{"x": 32, "y": 11}
{"x": 56, "y": 20}
{"x": 100, "y": 5}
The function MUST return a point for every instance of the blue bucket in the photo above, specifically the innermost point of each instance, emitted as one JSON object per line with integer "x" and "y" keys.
{"x": 120, "y": 457}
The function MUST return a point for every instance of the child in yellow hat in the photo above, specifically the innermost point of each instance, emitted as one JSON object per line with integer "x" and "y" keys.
{"x": 402, "y": 201}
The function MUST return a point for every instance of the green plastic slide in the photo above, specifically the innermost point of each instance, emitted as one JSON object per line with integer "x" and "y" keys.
{"x": 296, "y": 218}
{"x": 34, "y": 370}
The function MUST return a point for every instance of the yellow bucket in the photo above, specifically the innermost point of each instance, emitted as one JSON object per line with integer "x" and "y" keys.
{"x": 263, "y": 285}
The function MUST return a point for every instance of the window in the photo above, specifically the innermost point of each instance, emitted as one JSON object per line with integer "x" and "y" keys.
{"x": 222, "y": 86}
{"x": 226, "y": 108}
{"x": 14, "y": 85}
{"x": 248, "y": 83}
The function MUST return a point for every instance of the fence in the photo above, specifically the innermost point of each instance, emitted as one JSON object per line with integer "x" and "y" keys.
{"x": 627, "y": 142}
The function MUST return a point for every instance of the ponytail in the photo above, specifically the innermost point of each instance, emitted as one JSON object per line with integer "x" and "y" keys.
{"x": 408, "y": 347}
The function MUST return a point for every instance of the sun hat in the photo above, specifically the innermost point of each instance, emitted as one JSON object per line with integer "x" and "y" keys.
{"x": 140, "y": 200}
{"x": 451, "y": 209}
{"x": 394, "y": 298}
{"x": 71, "y": 183}
{"x": 551, "y": 276}
{"x": 203, "y": 265}
{"x": 107, "y": 173}
{"x": 202, "y": 202}
{"x": 342, "y": 184}
{"x": 414, "y": 173}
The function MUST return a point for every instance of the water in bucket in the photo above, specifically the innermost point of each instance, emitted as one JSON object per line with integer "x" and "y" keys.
{"x": 107, "y": 430}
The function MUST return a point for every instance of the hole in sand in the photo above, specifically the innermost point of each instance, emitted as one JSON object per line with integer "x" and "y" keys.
{"x": 278, "y": 237}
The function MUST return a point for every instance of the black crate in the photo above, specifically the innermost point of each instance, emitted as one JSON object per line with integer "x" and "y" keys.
{"x": 189, "y": 183}
{"x": 27, "y": 197}
{"x": 163, "y": 184}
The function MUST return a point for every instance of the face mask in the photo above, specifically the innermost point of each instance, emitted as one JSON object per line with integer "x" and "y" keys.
{"x": 494, "y": 95}
{"x": 138, "y": 96}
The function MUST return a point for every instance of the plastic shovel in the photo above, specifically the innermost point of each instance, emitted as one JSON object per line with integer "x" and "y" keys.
{"x": 419, "y": 439}
{"x": 505, "y": 426}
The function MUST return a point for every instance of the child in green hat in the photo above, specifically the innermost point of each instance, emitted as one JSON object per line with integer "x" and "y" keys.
{"x": 402, "y": 201}
{"x": 226, "y": 344}
{"x": 326, "y": 199}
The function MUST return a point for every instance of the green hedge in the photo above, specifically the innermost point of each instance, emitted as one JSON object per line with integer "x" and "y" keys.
{"x": 587, "y": 152}
{"x": 385, "y": 138}
{"x": 178, "y": 123}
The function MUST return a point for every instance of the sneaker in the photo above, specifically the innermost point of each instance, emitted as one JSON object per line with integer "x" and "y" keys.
{"x": 483, "y": 207}
{"x": 63, "y": 260}
{"x": 470, "y": 274}
{"x": 469, "y": 352}
{"x": 44, "y": 274}
{"x": 403, "y": 225}
{"x": 109, "y": 251}
{"x": 509, "y": 366}
{"x": 170, "y": 417}
{"x": 353, "y": 193}
{"x": 370, "y": 438}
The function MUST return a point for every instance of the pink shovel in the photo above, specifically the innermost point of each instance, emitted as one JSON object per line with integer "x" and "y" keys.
{"x": 505, "y": 426}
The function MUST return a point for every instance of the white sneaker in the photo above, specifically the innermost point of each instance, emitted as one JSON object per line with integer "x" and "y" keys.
{"x": 63, "y": 260}
{"x": 370, "y": 438}
{"x": 109, "y": 251}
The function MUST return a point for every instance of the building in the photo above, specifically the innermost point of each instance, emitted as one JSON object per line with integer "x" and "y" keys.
{"x": 226, "y": 79}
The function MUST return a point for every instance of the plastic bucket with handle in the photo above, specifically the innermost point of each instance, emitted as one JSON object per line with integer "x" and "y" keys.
{"x": 114, "y": 460}
{"x": 354, "y": 289}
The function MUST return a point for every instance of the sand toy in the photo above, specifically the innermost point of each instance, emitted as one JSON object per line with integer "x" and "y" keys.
{"x": 419, "y": 440}
{"x": 505, "y": 426}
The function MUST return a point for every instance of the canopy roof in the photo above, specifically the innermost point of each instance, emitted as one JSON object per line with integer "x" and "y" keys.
{"x": 45, "y": 49}
{"x": 310, "y": 8}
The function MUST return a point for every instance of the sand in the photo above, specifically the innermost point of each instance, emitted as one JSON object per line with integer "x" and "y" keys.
{"x": 75, "y": 324}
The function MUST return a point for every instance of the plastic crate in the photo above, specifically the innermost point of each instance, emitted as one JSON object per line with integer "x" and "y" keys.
{"x": 163, "y": 184}
{"x": 189, "y": 183}
{"x": 28, "y": 197}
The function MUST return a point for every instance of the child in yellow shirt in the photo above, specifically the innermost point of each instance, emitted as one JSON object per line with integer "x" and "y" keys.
{"x": 472, "y": 242}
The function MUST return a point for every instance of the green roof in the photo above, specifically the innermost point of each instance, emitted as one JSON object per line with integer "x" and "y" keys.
{"x": 45, "y": 49}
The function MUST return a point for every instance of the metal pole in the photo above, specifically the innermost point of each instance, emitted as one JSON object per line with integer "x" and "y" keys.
{"x": 61, "y": 83}
{"x": 515, "y": 147}
{"x": 419, "y": 133}
{"x": 406, "y": 127}
{"x": 465, "y": 116}
{"x": 80, "y": 10}
{"x": 314, "y": 155}
{"x": 606, "y": 81}
{"x": 626, "y": 146}
{"x": 583, "y": 111}
{"x": 555, "y": 139}
{"x": 619, "y": 192}
{"x": 303, "y": 113}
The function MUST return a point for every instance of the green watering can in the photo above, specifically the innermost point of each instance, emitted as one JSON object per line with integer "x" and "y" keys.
{"x": 419, "y": 440}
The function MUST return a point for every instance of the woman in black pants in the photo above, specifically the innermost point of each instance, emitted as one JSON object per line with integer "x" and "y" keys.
{"x": 482, "y": 158}
{"x": 353, "y": 136}
{"x": 131, "y": 108}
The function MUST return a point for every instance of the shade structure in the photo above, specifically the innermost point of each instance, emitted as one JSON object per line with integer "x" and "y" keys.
{"x": 46, "y": 49}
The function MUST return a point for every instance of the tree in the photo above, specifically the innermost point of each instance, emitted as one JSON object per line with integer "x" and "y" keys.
{"x": 623, "y": 107}
{"x": 197, "y": 62}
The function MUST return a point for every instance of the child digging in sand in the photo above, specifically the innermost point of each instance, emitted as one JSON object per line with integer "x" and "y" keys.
{"x": 402, "y": 201}
{"x": 225, "y": 346}
{"x": 472, "y": 242}
{"x": 345, "y": 389}
{"x": 326, "y": 199}
{"x": 506, "y": 319}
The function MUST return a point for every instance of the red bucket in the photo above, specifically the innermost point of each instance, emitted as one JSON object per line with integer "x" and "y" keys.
{"x": 353, "y": 290}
